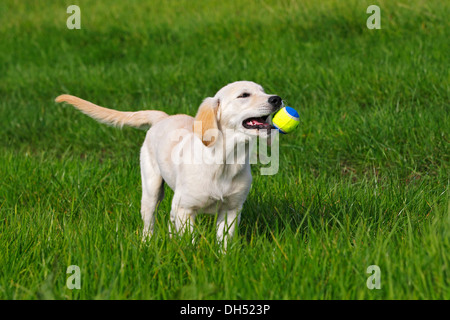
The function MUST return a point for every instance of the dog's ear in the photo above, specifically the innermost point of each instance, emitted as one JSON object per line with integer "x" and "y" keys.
{"x": 205, "y": 122}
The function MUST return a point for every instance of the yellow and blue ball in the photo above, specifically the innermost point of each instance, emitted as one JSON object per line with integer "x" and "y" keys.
{"x": 286, "y": 120}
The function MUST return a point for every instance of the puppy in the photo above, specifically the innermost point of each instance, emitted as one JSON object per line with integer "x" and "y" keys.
{"x": 204, "y": 160}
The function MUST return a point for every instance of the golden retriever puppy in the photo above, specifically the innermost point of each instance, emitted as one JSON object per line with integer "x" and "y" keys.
{"x": 203, "y": 159}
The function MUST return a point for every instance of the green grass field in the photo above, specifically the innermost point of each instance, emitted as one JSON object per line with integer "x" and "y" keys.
{"x": 363, "y": 181}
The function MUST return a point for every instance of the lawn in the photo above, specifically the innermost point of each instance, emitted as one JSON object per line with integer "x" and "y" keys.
{"x": 363, "y": 181}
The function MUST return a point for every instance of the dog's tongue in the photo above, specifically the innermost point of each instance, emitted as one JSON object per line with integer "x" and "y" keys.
{"x": 258, "y": 123}
{"x": 254, "y": 122}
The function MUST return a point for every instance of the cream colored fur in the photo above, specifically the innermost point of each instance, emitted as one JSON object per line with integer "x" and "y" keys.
{"x": 139, "y": 119}
{"x": 204, "y": 185}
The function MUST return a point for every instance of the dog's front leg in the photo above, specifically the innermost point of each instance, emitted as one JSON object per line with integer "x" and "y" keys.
{"x": 227, "y": 222}
{"x": 182, "y": 219}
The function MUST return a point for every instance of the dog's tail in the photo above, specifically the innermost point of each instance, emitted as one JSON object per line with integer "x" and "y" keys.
{"x": 139, "y": 119}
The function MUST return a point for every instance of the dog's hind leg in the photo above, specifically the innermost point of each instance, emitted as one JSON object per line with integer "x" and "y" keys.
{"x": 152, "y": 191}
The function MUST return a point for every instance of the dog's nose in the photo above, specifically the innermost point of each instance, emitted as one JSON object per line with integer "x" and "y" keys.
{"x": 275, "y": 101}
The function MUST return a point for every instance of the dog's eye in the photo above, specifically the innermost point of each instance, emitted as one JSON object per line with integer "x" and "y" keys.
{"x": 244, "y": 95}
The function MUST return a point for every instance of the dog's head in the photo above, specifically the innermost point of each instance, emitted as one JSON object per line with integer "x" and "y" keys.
{"x": 241, "y": 106}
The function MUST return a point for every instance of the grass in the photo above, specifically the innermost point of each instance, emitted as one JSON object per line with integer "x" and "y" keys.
{"x": 363, "y": 181}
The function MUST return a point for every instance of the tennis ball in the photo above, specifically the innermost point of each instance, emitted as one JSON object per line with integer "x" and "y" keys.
{"x": 286, "y": 120}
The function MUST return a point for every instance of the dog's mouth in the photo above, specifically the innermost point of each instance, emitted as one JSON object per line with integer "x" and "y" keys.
{"x": 257, "y": 123}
